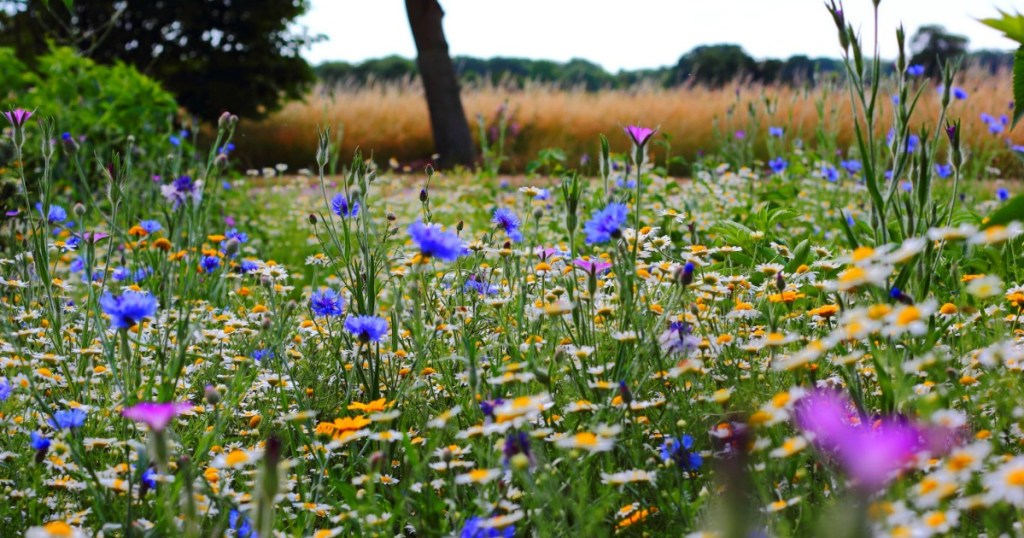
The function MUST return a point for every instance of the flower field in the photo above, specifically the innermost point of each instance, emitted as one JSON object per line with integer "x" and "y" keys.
{"x": 824, "y": 343}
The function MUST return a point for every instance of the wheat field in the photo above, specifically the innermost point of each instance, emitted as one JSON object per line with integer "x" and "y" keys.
{"x": 391, "y": 120}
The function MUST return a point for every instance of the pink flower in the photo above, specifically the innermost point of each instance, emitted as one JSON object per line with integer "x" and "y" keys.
{"x": 18, "y": 117}
{"x": 93, "y": 237}
{"x": 590, "y": 267}
{"x": 640, "y": 135}
{"x": 870, "y": 452}
{"x": 156, "y": 415}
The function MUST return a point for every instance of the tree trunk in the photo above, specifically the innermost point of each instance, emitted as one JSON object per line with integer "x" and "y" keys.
{"x": 452, "y": 140}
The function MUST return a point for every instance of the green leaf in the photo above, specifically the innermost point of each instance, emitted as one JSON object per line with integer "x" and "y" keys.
{"x": 800, "y": 254}
{"x": 1018, "y": 85}
{"x": 1012, "y": 210}
{"x": 1012, "y": 26}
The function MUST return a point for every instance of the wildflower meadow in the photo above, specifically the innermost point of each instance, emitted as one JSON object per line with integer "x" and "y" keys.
{"x": 826, "y": 342}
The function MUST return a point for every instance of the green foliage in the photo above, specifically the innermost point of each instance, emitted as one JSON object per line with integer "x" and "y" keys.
{"x": 204, "y": 52}
{"x": 1012, "y": 26}
{"x": 110, "y": 102}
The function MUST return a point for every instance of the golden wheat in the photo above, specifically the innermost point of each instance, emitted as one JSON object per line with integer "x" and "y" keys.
{"x": 391, "y": 119}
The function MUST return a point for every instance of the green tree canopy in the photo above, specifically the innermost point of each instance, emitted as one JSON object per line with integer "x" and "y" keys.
{"x": 211, "y": 54}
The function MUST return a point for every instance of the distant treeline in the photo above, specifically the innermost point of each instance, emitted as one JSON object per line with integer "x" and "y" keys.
{"x": 712, "y": 65}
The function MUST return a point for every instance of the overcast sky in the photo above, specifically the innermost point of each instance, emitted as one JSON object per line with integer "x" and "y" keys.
{"x": 629, "y": 34}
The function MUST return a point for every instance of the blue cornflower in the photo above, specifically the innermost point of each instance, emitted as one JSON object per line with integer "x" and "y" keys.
{"x": 209, "y": 264}
{"x": 342, "y": 208}
{"x": 943, "y": 170}
{"x": 775, "y": 131}
{"x": 505, "y": 219}
{"x": 68, "y": 419}
{"x": 479, "y": 286}
{"x": 678, "y": 338}
{"x": 912, "y": 142}
{"x": 473, "y": 528}
{"x": 1002, "y": 194}
{"x": 435, "y": 242}
{"x": 915, "y": 70}
{"x": 175, "y": 141}
{"x": 38, "y": 441}
{"x": 55, "y": 215}
{"x": 261, "y": 354}
{"x": 777, "y": 165}
{"x": 141, "y": 273}
{"x": 119, "y": 274}
{"x": 326, "y": 302}
{"x": 679, "y": 450}
{"x": 830, "y": 173}
{"x": 606, "y": 223}
{"x": 852, "y": 166}
{"x": 77, "y": 265}
{"x": 248, "y": 266}
{"x": 5, "y": 390}
{"x": 544, "y": 194}
{"x": 149, "y": 478}
{"x": 367, "y": 328}
{"x": 128, "y": 309}
{"x": 959, "y": 94}
{"x": 240, "y": 524}
{"x": 151, "y": 226}
{"x": 226, "y": 149}
{"x": 233, "y": 233}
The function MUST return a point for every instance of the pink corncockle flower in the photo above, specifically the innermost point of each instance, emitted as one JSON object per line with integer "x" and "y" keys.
{"x": 18, "y": 117}
{"x": 93, "y": 237}
{"x": 871, "y": 452}
{"x": 591, "y": 267}
{"x": 546, "y": 253}
{"x": 156, "y": 415}
{"x": 640, "y": 135}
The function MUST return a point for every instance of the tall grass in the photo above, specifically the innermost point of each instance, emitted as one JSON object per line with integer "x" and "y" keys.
{"x": 391, "y": 120}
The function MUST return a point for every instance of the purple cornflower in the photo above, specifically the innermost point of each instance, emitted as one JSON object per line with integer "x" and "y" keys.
{"x": 182, "y": 190}
{"x": 129, "y": 309}
{"x": 367, "y": 328}
{"x": 155, "y": 415}
{"x": 5, "y": 390}
{"x": 640, "y": 135}
{"x": 342, "y": 208}
{"x": 435, "y": 242}
{"x": 505, "y": 219}
{"x": 18, "y": 117}
{"x": 606, "y": 223}
{"x": 326, "y": 303}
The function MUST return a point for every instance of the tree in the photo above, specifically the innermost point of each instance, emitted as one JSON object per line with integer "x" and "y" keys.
{"x": 447, "y": 117}
{"x": 211, "y": 54}
{"x": 714, "y": 65}
{"x": 932, "y": 46}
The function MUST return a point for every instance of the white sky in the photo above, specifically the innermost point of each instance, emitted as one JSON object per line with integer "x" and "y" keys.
{"x": 632, "y": 34}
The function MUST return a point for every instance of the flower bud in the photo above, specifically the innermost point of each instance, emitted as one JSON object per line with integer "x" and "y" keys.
{"x": 211, "y": 394}
{"x": 224, "y": 120}
{"x": 78, "y": 210}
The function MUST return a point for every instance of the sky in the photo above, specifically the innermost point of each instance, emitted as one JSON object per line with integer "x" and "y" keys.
{"x": 631, "y": 34}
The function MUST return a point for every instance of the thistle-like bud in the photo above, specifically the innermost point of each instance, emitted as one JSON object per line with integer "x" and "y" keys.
{"x": 78, "y": 210}
{"x": 424, "y": 196}
{"x": 780, "y": 281}
{"x": 956, "y": 153}
{"x": 391, "y": 216}
{"x": 312, "y": 219}
{"x": 685, "y": 275}
{"x": 460, "y": 226}
{"x": 231, "y": 247}
{"x": 224, "y": 120}
{"x": 211, "y": 395}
